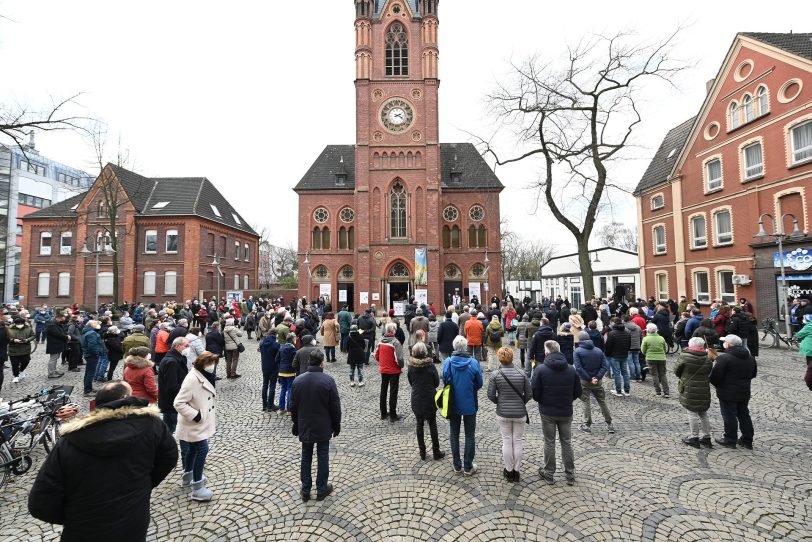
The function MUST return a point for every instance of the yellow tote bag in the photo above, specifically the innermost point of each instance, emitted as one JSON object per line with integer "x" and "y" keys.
{"x": 442, "y": 399}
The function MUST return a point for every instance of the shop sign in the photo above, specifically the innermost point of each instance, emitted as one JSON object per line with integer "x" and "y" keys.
{"x": 799, "y": 259}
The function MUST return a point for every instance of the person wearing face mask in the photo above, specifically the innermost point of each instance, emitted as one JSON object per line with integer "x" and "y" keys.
{"x": 40, "y": 324}
{"x": 196, "y": 403}
{"x": 20, "y": 337}
{"x": 92, "y": 349}
{"x": 196, "y": 346}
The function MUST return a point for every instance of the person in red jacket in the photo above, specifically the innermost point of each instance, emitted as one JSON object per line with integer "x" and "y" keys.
{"x": 389, "y": 353}
{"x": 638, "y": 319}
{"x": 139, "y": 375}
{"x": 162, "y": 342}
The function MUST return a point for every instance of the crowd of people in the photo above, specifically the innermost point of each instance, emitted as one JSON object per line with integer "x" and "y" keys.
{"x": 172, "y": 353}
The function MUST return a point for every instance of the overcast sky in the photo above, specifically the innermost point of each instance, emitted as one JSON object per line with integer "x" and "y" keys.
{"x": 248, "y": 93}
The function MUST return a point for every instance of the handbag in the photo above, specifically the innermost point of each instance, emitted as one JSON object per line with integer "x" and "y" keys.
{"x": 521, "y": 396}
{"x": 442, "y": 399}
{"x": 240, "y": 346}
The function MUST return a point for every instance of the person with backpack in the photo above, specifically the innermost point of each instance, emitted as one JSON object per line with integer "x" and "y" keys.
{"x": 284, "y": 360}
{"x": 493, "y": 340}
{"x": 462, "y": 372}
{"x": 509, "y": 388}
{"x": 423, "y": 378}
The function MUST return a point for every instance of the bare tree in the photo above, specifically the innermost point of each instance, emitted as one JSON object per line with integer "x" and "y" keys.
{"x": 616, "y": 235}
{"x": 18, "y": 121}
{"x": 284, "y": 262}
{"x": 578, "y": 119}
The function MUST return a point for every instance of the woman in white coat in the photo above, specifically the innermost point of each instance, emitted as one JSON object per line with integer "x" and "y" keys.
{"x": 195, "y": 404}
{"x": 196, "y": 346}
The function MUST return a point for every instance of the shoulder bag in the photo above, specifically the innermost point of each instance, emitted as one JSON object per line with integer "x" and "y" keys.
{"x": 240, "y": 345}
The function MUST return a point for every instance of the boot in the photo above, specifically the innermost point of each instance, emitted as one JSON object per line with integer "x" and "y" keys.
{"x": 691, "y": 441}
{"x": 186, "y": 479}
{"x": 705, "y": 442}
{"x": 200, "y": 492}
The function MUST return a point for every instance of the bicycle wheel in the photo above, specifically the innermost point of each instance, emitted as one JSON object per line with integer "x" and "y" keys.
{"x": 5, "y": 472}
{"x": 674, "y": 348}
{"x": 767, "y": 339}
{"x": 51, "y": 437}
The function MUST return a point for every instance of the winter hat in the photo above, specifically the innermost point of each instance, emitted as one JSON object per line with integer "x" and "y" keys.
{"x": 353, "y": 329}
{"x": 582, "y": 336}
{"x": 138, "y": 327}
{"x": 480, "y": 315}
{"x": 307, "y": 339}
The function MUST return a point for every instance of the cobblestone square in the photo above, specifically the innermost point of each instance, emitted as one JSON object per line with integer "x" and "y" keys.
{"x": 639, "y": 484}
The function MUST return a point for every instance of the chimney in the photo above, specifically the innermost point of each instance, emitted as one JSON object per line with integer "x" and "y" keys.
{"x": 31, "y": 144}
{"x": 709, "y": 86}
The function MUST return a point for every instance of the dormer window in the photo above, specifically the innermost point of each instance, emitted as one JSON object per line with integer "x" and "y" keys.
{"x": 161, "y": 204}
{"x": 456, "y": 177}
{"x": 216, "y": 211}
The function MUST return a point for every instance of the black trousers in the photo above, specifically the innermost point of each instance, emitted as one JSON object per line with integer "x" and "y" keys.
{"x": 74, "y": 354}
{"x": 435, "y": 440}
{"x": 736, "y": 416}
{"x": 391, "y": 383}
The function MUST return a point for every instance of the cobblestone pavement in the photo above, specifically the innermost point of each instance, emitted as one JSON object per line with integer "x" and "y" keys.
{"x": 639, "y": 484}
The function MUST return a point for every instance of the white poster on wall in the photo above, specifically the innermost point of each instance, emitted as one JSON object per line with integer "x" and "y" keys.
{"x": 474, "y": 290}
{"x": 376, "y": 297}
{"x": 342, "y": 296}
{"x": 364, "y": 298}
{"x": 421, "y": 297}
{"x": 325, "y": 290}
{"x": 400, "y": 308}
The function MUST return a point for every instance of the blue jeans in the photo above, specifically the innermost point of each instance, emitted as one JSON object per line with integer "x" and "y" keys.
{"x": 285, "y": 383}
{"x": 323, "y": 469}
{"x": 193, "y": 457}
{"x": 268, "y": 389}
{"x": 620, "y": 367}
{"x": 470, "y": 443}
{"x": 344, "y": 337}
{"x": 101, "y": 368}
{"x": 90, "y": 371}
{"x": 633, "y": 361}
{"x": 330, "y": 353}
{"x": 370, "y": 348}
{"x": 171, "y": 420}
{"x": 360, "y": 369}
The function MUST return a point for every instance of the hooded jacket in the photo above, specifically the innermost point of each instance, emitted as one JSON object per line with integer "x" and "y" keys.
{"x": 135, "y": 340}
{"x": 536, "y": 352}
{"x": 521, "y": 334}
{"x": 284, "y": 359}
{"x": 98, "y": 479}
{"x": 268, "y": 349}
{"x": 589, "y": 361}
{"x": 636, "y": 335}
{"x": 691, "y": 325}
{"x": 171, "y": 373}
{"x": 618, "y": 342}
{"x": 566, "y": 341}
{"x": 315, "y": 406}
{"x": 693, "y": 370}
{"x": 473, "y": 332}
{"x": 356, "y": 347}
{"x": 91, "y": 343}
{"x": 662, "y": 319}
{"x": 465, "y": 376}
{"x": 510, "y": 401}
{"x": 555, "y": 386}
{"x": 139, "y": 375}
{"x": 56, "y": 336}
{"x": 732, "y": 374}
{"x": 597, "y": 339}
{"x": 424, "y": 379}
{"x": 446, "y": 334}
{"x": 389, "y": 354}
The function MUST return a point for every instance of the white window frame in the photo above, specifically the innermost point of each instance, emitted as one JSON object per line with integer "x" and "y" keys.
{"x": 763, "y": 100}
{"x": 104, "y": 283}
{"x": 63, "y": 284}
{"x": 654, "y": 206}
{"x": 170, "y": 283}
{"x": 45, "y": 250}
{"x": 237, "y": 250}
{"x": 236, "y": 282}
{"x": 792, "y": 150}
{"x": 166, "y": 242}
{"x": 706, "y": 178}
{"x": 749, "y": 108}
{"x": 715, "y": 214}
{"x": 65, "y": 250}
{"x": 246, "y": 281}
{"x": 147, "y": 234}
{"x": 246, "y": 253}
{"x": 693, "y": 236}
{"x": 149, "y": 283}
{"x": 662, "y": 294}
{"x": 729, "y": 297}
{"x": 755, "y": 170}
{"x": 704, "y": 297}
{"x": 43, "y": 284}
{"x": 733, "y": 119}
{"x": 659, "y": 249}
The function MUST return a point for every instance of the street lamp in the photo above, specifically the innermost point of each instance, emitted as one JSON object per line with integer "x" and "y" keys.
{"x": 216, "y": 264}
{"x": 103, "y": 250}
{"x": 309, "y": 273}
{"x": 779, "y": 235}
{"x": 487, "y": 269}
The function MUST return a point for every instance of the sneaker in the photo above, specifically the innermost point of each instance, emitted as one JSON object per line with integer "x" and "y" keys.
{"x": 705, "y": 442}
{"x": 327, "y": 491}
{"x": 585, "y": 428}
{"x": 610, "y": 428}
{"x": 472, "y": 471}
{"x": 627, "y": 393}
{"x": 16, "y": 380}
{"x": 22, "y": 374}
{"x": 352, "y": 383}
{"x": 546, "y": 477}
{"x": 570, "y": 480}
{"x": 691, "y": 441}
{"x": 56, "y": 375}
{"x": 457, "y": 470}
{"x": 361, "y": 384}
{"x": 617, "y": 393}
{"x": 666, "y": 396}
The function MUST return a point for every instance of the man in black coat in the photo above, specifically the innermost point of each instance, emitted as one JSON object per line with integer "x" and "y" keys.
{"x": 552, "y": 314}
{"x": 171, "y": 372}
{"x": 589, "y": 313}
{"x": 316, "y": 414}
{"x": 732, "y": 375}
{"x": 618, "y": 344}
{"x": 366, "y": 324}
{"x": 535, "y": 351}
{"x": 555, "y": 386}
{"x": 98, "y": 479}
{"x": 662, "y": 319}
{"x": 57, "y": 338}
{"x": 180, "y": 330}
{"x": 446, "y": 333}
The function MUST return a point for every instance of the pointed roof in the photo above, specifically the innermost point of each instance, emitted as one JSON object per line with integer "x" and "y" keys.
{"x": 796, "y": 44}
{"x": 666, "y": 156}
{"x": 381, "y": 4}
{"x": 162, "y": 196}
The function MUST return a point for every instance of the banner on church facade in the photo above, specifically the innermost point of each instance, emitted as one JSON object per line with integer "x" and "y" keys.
{"x": 421, "y": 267}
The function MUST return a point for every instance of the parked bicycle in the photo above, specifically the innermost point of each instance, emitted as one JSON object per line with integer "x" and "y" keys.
{"x": 770, "y": 337}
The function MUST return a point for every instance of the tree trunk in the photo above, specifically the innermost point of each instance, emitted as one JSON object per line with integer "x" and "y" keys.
{"x": 586, "y": 269}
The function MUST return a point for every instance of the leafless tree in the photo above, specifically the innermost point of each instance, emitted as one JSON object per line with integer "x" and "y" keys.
{"x": 284, "y": 262}
{"x": 18, "y": 121}
{"x": 616, "y": 235}
{"x": 578, "y": 118}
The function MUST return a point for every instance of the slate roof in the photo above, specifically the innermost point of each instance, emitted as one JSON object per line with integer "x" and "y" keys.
{"x": 462, "y": 157}
{"x": 797, "y": 44}
{"x": 663, "y": 162}
{"x": 379, "y": 4}
{"x": 187, "y": 196}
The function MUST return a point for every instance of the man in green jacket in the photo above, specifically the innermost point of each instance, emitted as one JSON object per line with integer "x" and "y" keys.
{"x": 20, "y": 337}
{"x": 344, "y": 322}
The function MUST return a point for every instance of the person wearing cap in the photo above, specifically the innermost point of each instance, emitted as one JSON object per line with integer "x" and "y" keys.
{"x": 356, "y": 347}
{"x": 591, "y": 366}
{"x": 693, "y": 370}
{"x": 732, "y": 375}
{"x": 654, "y": 347}
{"x": 85, "y": 467}
{"x": 115, "y": 349}
{"x": 316, "y": 414}
{"x": 136, "y": 339}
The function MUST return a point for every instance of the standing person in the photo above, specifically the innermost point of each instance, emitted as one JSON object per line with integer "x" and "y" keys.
{"x": 215, "y": 343}
{"x": 805, "y": 336}
{"x": 423, "y": 377}
{"x": 57, "y": 343}
{"x": 618, "y": 343}
{"x": 139, "y": 375}
{"x": 196, "y": 346}
{"x": 356, "y": 345}
{"x": 316, "y": 414}
{"x": 196, "y": 404}
{"x": 86, "y": 467}
{"x": 463, "y": 373}
{"x": 41, "y": 319}
{"x": 535, "y": 351}
{"x": 3, "y": 349}
{"x": 171, "y": 373}
{"x": 268, "y": 350}
{"x": 591, "y": 366}
{"x": 250, "y": 323}
{"x": 162, "y": 343}
{"x": 302, "y": 357}
{"x": 344, "y": 323}
{"x": 330, "y": 333}
{"x": 654, "y": 347}
{"x": 633, "y": 358}
{"x": 510, "y": 389}
{"x": 264, "y": 325}
{"x": 555, "y": 386}
{"x": 389, "y": 354}
{"x": 473, "y": 332}
{"x": 732, "y": 375}
{"x": 433, "y": 344}
{"x": 20, "y": 337}
{"x": 232, "y": 345}
{"x": 113, "y": 343}
{"x": 511, "y": 318}
{"x": 92, "y": 349}
{"x": 693, "y": 370}
{"x": 662, "y": 319}
{"x": 493, "y": 339}
{"x": 366, "y": 323}
{"x": 136, "y": 339}
{"x": 284, "y": 360}
{"x": 74, "y": 348}
{"x": 566, "y": 340}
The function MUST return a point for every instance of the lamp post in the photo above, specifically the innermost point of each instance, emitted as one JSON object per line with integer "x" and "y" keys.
{"x": 309, "y": 274}
{"x": 487, "y": 269}
{"x": 779, "y": 235}
{"x": 99, "y": 251}
{"x": 216, "y": 264}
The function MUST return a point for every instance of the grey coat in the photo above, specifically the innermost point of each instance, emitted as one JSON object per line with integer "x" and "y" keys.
{"x": 521, "y": 334}
{"x": 508, "y": 402}
{"x": 636, "y": 333}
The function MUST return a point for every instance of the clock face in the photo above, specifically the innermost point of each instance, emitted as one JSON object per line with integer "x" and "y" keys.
{"x": 397, "y": 115}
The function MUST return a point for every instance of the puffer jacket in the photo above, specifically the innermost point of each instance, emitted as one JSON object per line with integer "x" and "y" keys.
{"x": 589, "y": 361}
{"x": 434, "y": 327}
{"x": 464, "y": 375}
{"x": 389, "y": 353}
{"x": 473, "y": 332}
{"x": 24, "y": 334}
{"x": 284, "y": 359}
{"x": 654, "y": 347}
{"x": 91, "y": 342}
{"x": 555, "y": 386}
{"x": 139, "y": 375}
{"x": 521, "y": 334}
{"x": 618, "y": 342}
{"x": 196, "y": 347}
{"x": 567, "y": 343}
{"x": 536, "y": 348}
{"x": 732, "y": 374}
{"x": 232, "y": 336}
{"x": 494, "y": 328}
{"x": 509, "y": 403}
{"x": 693, "y": 370}
{"x": 636, "y": 336}
{"x": 424, "y": 379}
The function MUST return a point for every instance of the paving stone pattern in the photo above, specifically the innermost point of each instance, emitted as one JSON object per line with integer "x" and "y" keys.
{"x": 639, "y": 484}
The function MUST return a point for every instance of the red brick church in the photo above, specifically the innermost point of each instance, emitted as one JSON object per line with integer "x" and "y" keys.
{"x": 398, "y": 214}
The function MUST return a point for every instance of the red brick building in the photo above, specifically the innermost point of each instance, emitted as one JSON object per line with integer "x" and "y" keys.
{"x": 746, "y": 153}
{"x": 364, "y": 209}
{"x": 169, "y": 230}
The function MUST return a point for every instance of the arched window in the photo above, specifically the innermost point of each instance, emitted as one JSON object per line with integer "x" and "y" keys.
{"x": 397, "y": 51}
{"x": 472, "y": 241}
{"x": 734, "y": 115}
{"x": 316, "y": 238}
{"x": 325, "y": 238}
{"x": 342, "y": 238}
{"x": 747, "y": 102}
{"x": 763, "y": 102}
{"x": 100, "y": 210}
{"x": 399, "y": 271}
{"x": 397, "y": 208}
{"x": 482, "y": 237}
{"x": 351, "y": 238}
{"x": 446, "y": 237}
{"x": 455, "y": 236}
